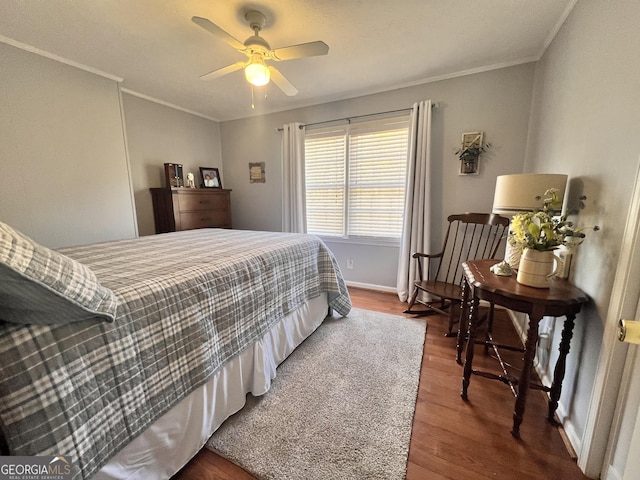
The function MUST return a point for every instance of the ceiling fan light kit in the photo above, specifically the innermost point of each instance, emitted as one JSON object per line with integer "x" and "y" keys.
{"x": 256, "y": 70}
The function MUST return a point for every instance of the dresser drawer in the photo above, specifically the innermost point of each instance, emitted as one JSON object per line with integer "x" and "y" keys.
{"x": 205, "y": 219}
{"x": 177, "y": 209}
{"x": 200, "y": 201}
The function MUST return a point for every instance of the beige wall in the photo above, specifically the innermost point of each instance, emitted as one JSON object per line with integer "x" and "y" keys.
{"x": 156, "y": 135}
{"x": 63, "y": 165}
{"x": 63, "y": 155}
{"x": 496, "y": 102}
{"x": 585, "y": 123}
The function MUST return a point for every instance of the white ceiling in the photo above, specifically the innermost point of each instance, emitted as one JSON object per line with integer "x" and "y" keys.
{"x": 374, "y": 45}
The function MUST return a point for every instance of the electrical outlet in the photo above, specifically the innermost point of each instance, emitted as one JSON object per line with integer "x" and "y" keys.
{"x": 350, "y": 263}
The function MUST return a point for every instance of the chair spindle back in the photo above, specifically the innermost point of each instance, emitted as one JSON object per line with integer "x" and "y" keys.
{"x": 469, "y": 236}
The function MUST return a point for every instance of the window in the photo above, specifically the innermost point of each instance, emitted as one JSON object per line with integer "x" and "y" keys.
{"x": 355, "y": 179}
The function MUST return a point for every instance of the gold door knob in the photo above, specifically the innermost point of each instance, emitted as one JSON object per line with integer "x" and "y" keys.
{"x": 629, "y": 331}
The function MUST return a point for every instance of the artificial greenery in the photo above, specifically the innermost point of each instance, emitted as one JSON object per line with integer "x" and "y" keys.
{"x": 473, "y": 151}
{"x": 543, "y": 231}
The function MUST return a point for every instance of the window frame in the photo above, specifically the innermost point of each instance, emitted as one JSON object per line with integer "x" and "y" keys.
{"x": 360, "y": 127}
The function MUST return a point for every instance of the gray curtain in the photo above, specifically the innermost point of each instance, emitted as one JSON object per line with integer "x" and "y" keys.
{"x": 294, "y": 216}
{"x": 416, "y": 229}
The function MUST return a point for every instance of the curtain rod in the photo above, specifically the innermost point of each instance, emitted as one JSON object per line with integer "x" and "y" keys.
{"x": 356, "y": 116}
{"x": 348, "y": 119}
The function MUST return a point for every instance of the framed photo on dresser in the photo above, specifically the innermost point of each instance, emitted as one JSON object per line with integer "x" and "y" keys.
{"x": 210, "y": 177}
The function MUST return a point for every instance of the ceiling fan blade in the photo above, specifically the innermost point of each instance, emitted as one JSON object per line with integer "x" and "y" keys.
{"x": 310, "y": 49}
{"x": 284, "y": 84}
{"x": 217, "y": 32}
{"x": 222, "y": 71}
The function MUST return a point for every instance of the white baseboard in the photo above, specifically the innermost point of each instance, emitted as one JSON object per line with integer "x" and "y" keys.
{"x": 611, "y": 473}
{"x": 369, "y": 286}
{"x": 521, "y": 333}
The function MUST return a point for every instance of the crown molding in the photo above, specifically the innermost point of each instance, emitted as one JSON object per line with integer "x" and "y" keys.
{"x": 58, "y": 58}
{"x": 167, "y": 104}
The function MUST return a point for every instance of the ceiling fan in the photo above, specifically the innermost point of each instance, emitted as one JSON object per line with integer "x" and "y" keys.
{"x": 256, "y": 48}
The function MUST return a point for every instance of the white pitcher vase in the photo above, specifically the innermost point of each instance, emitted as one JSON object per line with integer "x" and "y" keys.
{"x": 536, "y": 268}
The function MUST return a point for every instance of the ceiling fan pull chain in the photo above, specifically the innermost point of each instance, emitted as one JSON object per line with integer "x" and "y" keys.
{"x": 253, "y": 106}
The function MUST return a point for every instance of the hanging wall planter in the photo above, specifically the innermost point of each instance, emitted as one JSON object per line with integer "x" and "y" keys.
{"x": 469, "y": 165}
{"x": 469, "y": 152}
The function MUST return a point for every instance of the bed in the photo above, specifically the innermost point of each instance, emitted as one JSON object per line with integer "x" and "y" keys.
{"x": 129, "y": 356}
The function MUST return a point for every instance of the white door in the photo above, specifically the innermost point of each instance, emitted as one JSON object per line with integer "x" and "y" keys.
{"x": 632, "y": 469}
{"x": 623, "y": 452}
{"x": 611, "y": 443}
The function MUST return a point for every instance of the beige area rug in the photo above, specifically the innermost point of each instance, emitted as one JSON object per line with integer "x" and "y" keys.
{"x": 341, "y": 406}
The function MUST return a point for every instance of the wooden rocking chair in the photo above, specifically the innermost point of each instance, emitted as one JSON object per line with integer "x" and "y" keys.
{"x": 469, "y": 236}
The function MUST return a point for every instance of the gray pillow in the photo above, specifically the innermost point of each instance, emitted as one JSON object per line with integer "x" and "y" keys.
{"x": 41, "y": 286}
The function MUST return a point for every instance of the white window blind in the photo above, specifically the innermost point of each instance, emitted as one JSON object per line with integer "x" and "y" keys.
{"x": 355, "y": 179}
{"x": 325, "y": 175}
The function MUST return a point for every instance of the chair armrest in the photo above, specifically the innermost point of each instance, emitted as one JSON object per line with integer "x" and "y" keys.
{"x": 427, "y": 255}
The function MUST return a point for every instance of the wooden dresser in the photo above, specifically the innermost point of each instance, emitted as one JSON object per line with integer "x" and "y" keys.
{"x": 176, "y": 209}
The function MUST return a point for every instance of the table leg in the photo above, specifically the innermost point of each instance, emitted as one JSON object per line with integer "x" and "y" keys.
{"x": 471, "y": 337}
{"x": 558, "y": 373}
{"x": 525, "y": 375}
{"x": 488, "y": 336}
{"x": 463, "y": 325}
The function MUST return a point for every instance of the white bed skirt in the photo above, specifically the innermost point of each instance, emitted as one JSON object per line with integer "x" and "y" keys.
{"x": 172, "y": 440}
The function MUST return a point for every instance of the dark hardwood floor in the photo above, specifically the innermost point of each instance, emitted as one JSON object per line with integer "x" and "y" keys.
{"x": 453, "y": 439}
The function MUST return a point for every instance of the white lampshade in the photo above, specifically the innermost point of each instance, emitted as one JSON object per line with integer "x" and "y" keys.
{"x": 517, "y": 193}
{"x": 257, "y": 73}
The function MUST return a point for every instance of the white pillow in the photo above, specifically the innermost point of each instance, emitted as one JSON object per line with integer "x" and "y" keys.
{"x": 41, "y": 286}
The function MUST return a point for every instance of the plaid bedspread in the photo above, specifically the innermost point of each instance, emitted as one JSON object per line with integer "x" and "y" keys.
{"x": 188, "y": 302}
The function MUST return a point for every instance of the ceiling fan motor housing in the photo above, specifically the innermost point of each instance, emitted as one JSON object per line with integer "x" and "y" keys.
{"x": 257, "y": 43}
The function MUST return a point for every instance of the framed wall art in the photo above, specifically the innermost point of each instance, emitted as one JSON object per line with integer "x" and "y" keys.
{"x": 256, "y": 172}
